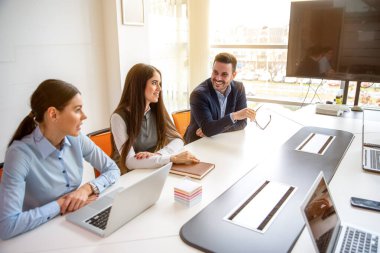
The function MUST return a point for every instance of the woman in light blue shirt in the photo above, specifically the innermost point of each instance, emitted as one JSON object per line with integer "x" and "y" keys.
{"x": 43, "y": 164}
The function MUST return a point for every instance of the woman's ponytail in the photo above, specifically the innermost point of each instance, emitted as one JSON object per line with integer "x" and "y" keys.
{"x": 26, "y": 126}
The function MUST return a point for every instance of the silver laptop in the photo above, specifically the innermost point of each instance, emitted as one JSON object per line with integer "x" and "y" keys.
{"x": 370, "y": 144}
{"x": 327, "y": 232}
{"x": 109, "y": 213}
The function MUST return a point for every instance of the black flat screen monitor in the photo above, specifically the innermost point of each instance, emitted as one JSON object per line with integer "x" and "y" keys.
{"x": 346, "y": 33}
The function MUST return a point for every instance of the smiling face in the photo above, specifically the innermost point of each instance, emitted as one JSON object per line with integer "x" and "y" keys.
{"x": 69, "y": 120}
{"x": 222, "y": 75}
{"x": 153, "y": 89}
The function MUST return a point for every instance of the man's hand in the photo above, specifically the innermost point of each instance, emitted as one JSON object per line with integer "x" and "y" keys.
{"x": 200, "y": 133}
{"x": 245, "y": 113}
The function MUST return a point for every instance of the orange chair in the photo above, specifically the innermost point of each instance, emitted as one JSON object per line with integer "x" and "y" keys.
{"x": 181, "y": 120}
{"x": 1, "y": 170}
{"x": 102, "y": 138}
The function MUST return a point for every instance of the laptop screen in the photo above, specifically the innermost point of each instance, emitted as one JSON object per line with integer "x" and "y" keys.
{"x": 370, "y": 128}
{"x": 320, "y": 215}
{"x": 371, "y": 140}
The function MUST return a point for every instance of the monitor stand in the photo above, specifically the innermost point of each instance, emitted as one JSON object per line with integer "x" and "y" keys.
{"x": 357, "y": 108}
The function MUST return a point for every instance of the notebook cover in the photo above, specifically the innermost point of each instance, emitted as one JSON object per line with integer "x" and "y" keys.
{"x": 194, "y": 170}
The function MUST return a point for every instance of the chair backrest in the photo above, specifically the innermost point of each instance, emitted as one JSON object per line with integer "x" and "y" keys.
{"x": 102, "y": 138}
{"x": 1, "y": 170}
{"x": 181, "y": 120}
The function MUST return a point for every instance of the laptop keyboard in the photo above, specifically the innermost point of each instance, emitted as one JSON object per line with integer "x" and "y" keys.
{"x": 99, "y": 220}
{"x": 359, "y": 241}
{"x": 374, "y": 158}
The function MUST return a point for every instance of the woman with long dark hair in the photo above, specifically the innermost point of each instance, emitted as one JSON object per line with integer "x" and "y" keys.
{"x": 143, "y": 133}
{"x": 43, "y": 164}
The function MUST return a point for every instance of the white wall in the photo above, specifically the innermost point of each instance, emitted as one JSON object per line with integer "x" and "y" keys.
{"x": 133, "y": 43}
{"x": 125, "y": 46}
{"x": 73, "y": 40}
{"x": 198, "y": 42}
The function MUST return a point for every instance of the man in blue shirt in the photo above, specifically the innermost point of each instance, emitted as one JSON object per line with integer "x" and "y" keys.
{"x": 218, "y": 104}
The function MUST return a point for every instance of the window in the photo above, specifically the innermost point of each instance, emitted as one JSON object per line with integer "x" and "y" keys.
{"x": 256, "y": 32}
{"x": 168, "y": 33}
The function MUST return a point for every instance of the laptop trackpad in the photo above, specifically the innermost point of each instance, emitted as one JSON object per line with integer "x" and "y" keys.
{"x": 93, "y": 208}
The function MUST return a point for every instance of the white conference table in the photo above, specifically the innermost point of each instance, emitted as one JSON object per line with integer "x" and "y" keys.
{"x": 234, "y": 154}
{"x": 350, "y": 179}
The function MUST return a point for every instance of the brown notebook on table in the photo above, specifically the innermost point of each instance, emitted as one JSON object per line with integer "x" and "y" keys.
{"x": 194, "y": 170}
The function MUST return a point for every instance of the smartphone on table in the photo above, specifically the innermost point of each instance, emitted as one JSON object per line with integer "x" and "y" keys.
{"x": 365, "y": 203}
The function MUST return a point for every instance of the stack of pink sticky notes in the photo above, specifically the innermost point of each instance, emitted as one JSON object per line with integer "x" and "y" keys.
{"x": 188, "y": 192}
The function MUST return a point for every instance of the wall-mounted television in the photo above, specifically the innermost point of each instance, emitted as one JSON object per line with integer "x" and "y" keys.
{"x": 346, "y": 32}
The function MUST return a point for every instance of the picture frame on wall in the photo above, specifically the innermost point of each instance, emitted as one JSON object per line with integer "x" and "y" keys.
{"x": 132, "y": 12}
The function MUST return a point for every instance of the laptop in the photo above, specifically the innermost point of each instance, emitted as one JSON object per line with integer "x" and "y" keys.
{"x": 109, "y": 213}
{"x": 370, "y": 149}
{"x": 325, "y": 227}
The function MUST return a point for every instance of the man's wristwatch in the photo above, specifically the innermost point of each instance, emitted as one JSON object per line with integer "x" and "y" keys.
{"x": 94, "y": 188}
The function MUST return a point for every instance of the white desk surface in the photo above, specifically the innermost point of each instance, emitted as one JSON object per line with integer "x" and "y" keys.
{"x": 234, "y": 154}
{"x": 306, "y": 116}
{"x": 350, "y": 180}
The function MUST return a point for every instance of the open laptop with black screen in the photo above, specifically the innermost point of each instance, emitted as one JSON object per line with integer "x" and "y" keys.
{"x": 370, "y": 143}
{"x": 327, "y": 232}
{"x": 109, "y": 213}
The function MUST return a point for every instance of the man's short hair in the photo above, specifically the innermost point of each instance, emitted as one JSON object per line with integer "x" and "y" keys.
{"x": 226, "y": 58}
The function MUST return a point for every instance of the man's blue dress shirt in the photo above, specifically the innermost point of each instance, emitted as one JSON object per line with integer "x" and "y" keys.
{"x": 223, "y": 102}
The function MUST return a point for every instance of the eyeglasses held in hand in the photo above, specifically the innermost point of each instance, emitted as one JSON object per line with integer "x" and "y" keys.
{"x": 260, "y": 125}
